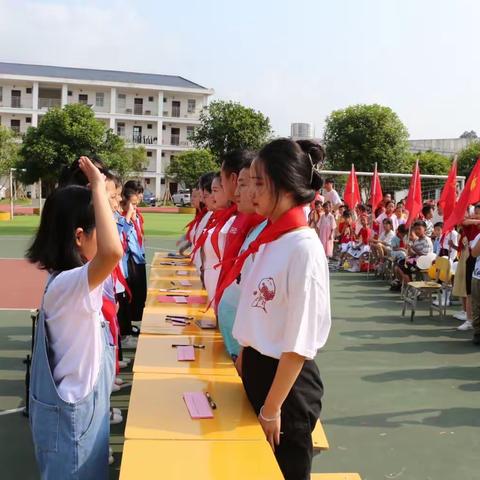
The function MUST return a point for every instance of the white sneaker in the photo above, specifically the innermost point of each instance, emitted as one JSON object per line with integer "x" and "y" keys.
{"x": 129, "y": 342}
{"x": 122, "y": 364}
{"x": 111, "y": 460}
{"x": 118, "y": 381}
{"x": 118, "y": 412}
{"x": 467, "y": 325}
{"x": 461, "y": 315}
{"x": 110, "y": 451}
{"x": 115, "y": 387}
{"x": 115, "y": 418}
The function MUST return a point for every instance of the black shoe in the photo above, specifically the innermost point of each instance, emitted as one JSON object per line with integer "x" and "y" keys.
{"x": 476, "y": 339}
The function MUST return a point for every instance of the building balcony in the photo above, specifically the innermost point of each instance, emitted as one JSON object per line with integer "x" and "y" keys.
{"x": 175, "y": 142}
{"x": 49, "y": 102}
{"x": 140, "y": 139}
{"x": 137, "y": 110}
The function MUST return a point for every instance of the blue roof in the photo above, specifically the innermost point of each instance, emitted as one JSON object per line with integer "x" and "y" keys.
{"x": 93, "y": 75}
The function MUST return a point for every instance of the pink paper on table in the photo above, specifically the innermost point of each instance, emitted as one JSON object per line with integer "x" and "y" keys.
{"x": 182, "y": 272}
{"x": 180, "y": 299}
{"x": 185, "y": 353}
{"x": 195, "y": 299}
{"x": 197, "y": 405}
{"x": 185, "y": 283}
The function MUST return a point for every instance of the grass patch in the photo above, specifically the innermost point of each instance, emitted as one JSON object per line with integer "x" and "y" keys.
{"x": 156, "y": 224}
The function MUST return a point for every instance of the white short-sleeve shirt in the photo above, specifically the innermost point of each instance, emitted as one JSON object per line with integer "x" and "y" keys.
{"x": 285, "y": 297}
{"x": 197, "y": 260}
{"x": 73, "y": 318}
{"x": 333, "y": 197}
{"x": 210, "y": 259}
{"x": 392, "y": 217}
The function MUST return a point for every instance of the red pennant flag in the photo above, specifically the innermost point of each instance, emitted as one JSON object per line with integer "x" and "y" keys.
{"x": 376, "y": 194}
{"x": 470, "y": 194}
{"x": 352, "y": 192}
{"x": 448, "y": 199}
{"x": 414, "y": 199}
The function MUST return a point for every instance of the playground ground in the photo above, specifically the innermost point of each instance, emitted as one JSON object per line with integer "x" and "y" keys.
{"x": 401, "y": 399}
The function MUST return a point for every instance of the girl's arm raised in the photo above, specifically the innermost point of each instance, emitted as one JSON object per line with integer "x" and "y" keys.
{"x": 109, "y": 248}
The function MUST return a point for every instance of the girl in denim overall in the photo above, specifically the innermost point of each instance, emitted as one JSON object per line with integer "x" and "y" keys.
{"x": 73, "y": 359}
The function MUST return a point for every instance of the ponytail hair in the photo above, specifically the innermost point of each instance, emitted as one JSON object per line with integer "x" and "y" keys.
{"x": 292, "y": 167}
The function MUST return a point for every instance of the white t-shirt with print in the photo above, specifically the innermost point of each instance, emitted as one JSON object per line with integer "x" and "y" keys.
{"x": 210, "y": 259}
{"x": 333, "y": 197}
{"x": 285, "y": 297}
{"x": 73, "y": 318}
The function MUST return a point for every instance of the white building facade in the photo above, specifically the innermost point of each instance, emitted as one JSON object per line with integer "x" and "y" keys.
{"x": 158, "y": 112}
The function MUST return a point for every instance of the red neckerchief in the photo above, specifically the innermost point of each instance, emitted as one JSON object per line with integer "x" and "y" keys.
{"x": 117, "y": 274}
{"x": 142, "y": 222}
{"x": 212, "y": 221}
{"x": 241, "y": 227}
{"x": 137, "y": 228}
{"x": 198, "y": 217}
{"x": 222, "y": 220}
{"x": 290, "y": 220}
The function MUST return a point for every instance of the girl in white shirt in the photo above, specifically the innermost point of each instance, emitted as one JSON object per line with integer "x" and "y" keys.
{"x": 283, "y": 315}
{"x": 73, "y": 359}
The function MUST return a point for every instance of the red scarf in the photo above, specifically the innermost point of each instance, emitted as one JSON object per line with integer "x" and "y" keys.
{"x": 290, "y": 220}
{"x": 225, "y": 217}
{"x": 138, "y": 228}
{"x": 212, "y": 221}
{"x": 117, "y": 274}
{"x": 142, "y": 222}
{"x": 198, "y": 217}
{"x": 241, "y": 227}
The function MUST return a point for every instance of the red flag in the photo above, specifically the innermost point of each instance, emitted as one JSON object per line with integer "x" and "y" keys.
{"x": 376, "y": 194}
{"x": 352, "y": 192}
{"x": 448, "y": 199}
{"x": 470, "y": 194}
{"x": 414, "y": 199}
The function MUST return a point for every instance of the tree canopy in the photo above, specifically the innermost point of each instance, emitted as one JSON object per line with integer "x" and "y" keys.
{"x": 226, "y": 126}
{"x": 430, "y": 163}
{"x": 63, "y": 135}
{"x": 8, "y": 150}
{"x": 468, "y": 157}
{"x": 187, "y": 167}
{"x": 365, "y": 135}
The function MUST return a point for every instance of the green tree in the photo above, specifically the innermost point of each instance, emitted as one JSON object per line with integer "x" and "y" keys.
{"x": 63, "y": 135}
{"x": 468, "y": 157}
{"x": 365, "y": 135}
{"x": 8, "y": 150}
{"x": 430, "y": 163}
{"x": 187, "y": 167}
{"x": 226, "y": 126}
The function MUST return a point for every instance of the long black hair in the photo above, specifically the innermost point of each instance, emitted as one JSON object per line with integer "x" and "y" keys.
{"x": 290, "y": 168}
{"x": 236, "y": 160}
{"x": 53, "y": 246}
{"x": 206, "y": 181}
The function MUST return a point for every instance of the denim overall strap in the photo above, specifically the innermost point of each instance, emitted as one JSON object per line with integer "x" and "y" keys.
{"x": 70, "y": 439}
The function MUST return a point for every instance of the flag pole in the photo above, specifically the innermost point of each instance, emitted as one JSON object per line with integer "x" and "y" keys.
{"x": 372, "y": 196}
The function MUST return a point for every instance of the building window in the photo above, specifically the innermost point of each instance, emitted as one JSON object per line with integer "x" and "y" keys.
{"x": 99, "y": 99}
{"x": 175, "y": 108}
{"x": 122, "y": 100}
{"x": 149, "y": 126}
{"x": 150, "y": 99}
{"x": 28, "y": 120}
{"x": 29, "y": 90}
{"x": 1, "y": 94}
{"x": 192, "y": 105}
{"x": 83, "y": 98}
{"x": 190, "y": 131}
{"x": 164, "y": 99}
{"x": 15, "y": 125}
{"x": 70, "y": 93}
{"x": 149, "y": 154}
{"x": 164, "y": 127}
{"x": 121, "y": 129}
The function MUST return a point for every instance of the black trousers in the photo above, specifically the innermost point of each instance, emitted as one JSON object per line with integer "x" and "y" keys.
{"x": 300, "y": 411}
{"x": 123, "y": 314}
{"x": 137, "y": 281}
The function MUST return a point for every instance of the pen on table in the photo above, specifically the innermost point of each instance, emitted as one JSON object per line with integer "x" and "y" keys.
{"x": 182, "y": 317}
{"x": 212, "y": 404}
{"x": 176, "y": 295}
{"x": 178, "y": 322}
{"x": 172, "y": 282}
{"x": 200, "y": 345}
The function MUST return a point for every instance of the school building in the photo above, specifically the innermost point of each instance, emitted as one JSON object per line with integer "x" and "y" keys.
{"x": 158, "y": 112}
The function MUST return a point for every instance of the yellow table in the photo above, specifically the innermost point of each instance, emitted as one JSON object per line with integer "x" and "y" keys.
{"x": 163, "y": 256}
{"x": 241, "y": 460}
{"x": 155, "y": 354}
{"x": 155, "y": 285}
{"x": 157, "y": 410}
{"x": 154, "y": 323}
{"x": 153, "y": 303}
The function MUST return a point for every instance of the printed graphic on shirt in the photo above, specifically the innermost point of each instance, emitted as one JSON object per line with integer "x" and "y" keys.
{"x": 265, "y": 293}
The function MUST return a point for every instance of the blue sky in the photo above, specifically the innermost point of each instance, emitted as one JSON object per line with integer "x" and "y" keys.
{"x": 294, "y": 60}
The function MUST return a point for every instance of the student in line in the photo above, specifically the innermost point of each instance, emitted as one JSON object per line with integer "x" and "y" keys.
{"x": 72, "y": 373}
{"x": 229, "y": 298}
{"x": 326, "y": 229}
{"x": 283, "y": 316}
{"x": 214, "y": 246}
